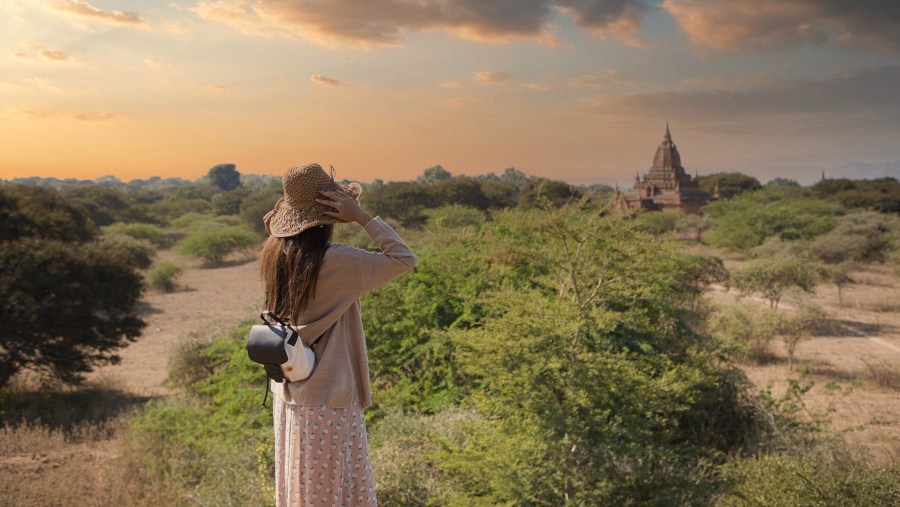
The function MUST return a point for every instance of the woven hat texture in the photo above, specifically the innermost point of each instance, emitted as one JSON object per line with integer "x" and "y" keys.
{"x": 298, "y": 209}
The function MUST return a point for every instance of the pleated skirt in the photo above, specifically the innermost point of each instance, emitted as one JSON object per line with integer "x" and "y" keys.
{"x": 321, "y": 457}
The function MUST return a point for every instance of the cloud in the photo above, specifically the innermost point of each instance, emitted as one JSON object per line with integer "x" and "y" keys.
{"x": 54, "y": 55}
{"x": 750, "y": 25}
{"x": 537, "y": 87}
{"x": 54, "y": 115}
{"x": 327, "y": 82}
{"x": 21, "y": 55}
{"x": 156, "y": 64}
{"x": 385, "y": 22}
{"x": 461, "y": 101}
{"x": 607, "y": 76}
{"x": 871, "y": 92}
{"x": 490, "y": 77}
{"x": 38, "y": 83}
{"x": 217, "y": 87}
{"x": 451, "y": 84}
{"x": 85, "y": 9}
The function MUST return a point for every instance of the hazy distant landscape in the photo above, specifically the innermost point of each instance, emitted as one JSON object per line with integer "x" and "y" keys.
{"x": 745, "y": 355}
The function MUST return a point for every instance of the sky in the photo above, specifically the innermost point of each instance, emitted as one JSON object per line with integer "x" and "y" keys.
{"x": 578, "y": 90}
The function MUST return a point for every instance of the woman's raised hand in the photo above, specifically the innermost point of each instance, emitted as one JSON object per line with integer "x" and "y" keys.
{"x": 346, "y": 209}
{"x": 267, "y": 219}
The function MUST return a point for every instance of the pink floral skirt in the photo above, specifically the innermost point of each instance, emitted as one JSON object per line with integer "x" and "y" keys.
{"x": 321, "y": 457}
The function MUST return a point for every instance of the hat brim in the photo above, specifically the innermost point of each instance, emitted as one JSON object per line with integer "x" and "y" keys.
{"x": 289, "y": 220}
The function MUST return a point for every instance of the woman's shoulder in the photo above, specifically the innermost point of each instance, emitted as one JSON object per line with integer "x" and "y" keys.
{"x": 340, "y": 250}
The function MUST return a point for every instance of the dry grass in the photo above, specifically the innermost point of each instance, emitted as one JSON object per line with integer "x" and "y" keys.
{"x": 882, "y": 375}
{"x": 66, "y": 447}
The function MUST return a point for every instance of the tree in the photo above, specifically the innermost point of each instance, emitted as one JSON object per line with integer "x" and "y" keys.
{"x": 434, "y": 174}
{"x": 515, "y": 177}
{"x": 730, "y": 184}
{"x": 772, "y": 276}
{"x": 225, "y": 176}
{"x": 66, "y": 301}
{"x": 580, "y": 368}
{"x": 798, "y": 326}
{"x": 556, "y": 192}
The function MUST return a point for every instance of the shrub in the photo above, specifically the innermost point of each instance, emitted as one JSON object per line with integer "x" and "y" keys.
{"x": 162, "y": 276}
{"x": 745, "y": 329}
{"x": 215, "y": 243}
{"x": 454, "y": 217}
{"x": 658, "y": 222}
{"x": 136, "y": 252}
{"x": 213, "y": 443}
{"x": 147, "y": 232}
{"x": 810, "y": 479}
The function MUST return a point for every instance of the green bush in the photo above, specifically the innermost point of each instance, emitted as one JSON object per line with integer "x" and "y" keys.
{"x": 137, "y": 252}
{"x": 147, "y": 232}
{"x": 745, "y": 329}
{"x": 213, "y": 244}
{"x": 809, "y": 479}
{"x": 658, "y": 222}
{"x": 454, "y": 216}
{"x": 162, "y": 276}
{"x": 213, "y": 443}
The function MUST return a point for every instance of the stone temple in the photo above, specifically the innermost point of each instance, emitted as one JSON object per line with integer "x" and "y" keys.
{"x": 667, "y": 187}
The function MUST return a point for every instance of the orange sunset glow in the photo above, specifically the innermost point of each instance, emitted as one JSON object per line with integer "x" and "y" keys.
{"x": 579, "y": 91}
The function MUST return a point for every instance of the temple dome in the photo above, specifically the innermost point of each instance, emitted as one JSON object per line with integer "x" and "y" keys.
{"x": 667, "y": 154}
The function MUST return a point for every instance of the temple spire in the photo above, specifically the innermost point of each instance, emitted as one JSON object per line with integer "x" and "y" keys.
{"x": 668, "y": 135}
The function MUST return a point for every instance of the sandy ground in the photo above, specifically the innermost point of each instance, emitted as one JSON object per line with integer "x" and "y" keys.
{"x": 209, "y": 301}
{"x": 865, "y": 413}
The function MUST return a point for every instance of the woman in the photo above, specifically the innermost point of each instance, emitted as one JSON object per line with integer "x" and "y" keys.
{"x": 321, "y": 451}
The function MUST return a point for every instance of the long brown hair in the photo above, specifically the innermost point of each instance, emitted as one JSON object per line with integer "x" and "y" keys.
{"x": 289, "y": 269}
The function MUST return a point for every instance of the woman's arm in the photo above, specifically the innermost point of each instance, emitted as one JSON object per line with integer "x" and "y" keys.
{"x": 375, "y": 268}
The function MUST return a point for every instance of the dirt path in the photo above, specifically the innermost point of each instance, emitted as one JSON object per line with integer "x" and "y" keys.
{"x": 211, "y": 300}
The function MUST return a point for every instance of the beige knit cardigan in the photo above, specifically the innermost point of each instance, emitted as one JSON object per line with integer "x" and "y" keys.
{"x": 341, "y": 375}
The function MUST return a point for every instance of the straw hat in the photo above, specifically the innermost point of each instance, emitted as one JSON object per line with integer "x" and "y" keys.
{"x": 298, "y": 209}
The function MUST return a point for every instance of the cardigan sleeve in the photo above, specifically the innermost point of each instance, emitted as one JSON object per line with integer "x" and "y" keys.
{"x": 379, "y": 268}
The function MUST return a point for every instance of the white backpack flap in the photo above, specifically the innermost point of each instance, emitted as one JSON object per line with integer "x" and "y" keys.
{"x": 300, "y": 359}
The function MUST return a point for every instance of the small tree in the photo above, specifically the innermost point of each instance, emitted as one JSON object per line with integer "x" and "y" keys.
{"x": 799, "y": 326}
{"x": 434, "y": 174}
{"x": 839, "y": 275}
{"x": 225, "y": 176}
{"x": 772, "y": 276}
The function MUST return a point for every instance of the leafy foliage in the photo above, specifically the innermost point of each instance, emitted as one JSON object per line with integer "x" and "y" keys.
{"x": 749, "y": 220}
{"x": 772, "y": 276}
{"x": 213, "y": 244}
{"x": 163, "y": 275}
{"x": 730, "y": 184}
{"x": 214, "y": 441}
{"x": 65, "y": 300}
{"x": 746, "y": 329}
{"x": 225, "y": 176}
{"x": 63, "y": 308}
{"x": 148, "y": 232}
{"x": 882, "y": 195}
